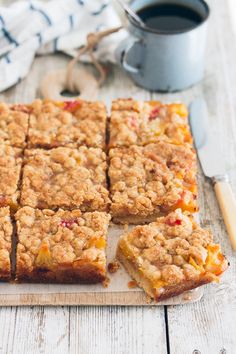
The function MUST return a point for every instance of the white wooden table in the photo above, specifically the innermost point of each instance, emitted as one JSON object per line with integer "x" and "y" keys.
{"x": 206, "y": 327}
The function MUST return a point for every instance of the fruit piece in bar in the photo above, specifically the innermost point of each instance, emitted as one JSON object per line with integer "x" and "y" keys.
{"x": 171, "y": 255}
{"x": 141, "y": 123}
{"x": 10, "y": 169}
{"x": 65, "y": 178}
{"x": 62, "y": 246}
{"x": 6, "y": 231}
{"x": 69, "y": 123}
{"x": 149, "y": 181}
{"x": 14, "y": 120}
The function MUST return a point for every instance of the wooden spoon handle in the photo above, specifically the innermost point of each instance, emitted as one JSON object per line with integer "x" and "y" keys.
{"x": 227, "y": 203}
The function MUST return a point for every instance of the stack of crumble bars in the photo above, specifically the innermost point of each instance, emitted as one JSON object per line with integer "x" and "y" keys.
{"x": 61, "y": 183}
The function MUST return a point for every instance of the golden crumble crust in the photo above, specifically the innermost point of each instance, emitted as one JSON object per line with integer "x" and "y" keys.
{"x": 69, "y": 123}
{"x": 61, "y": 246}
{"x": 6, "y": 230}
{"x": 153, "y": 179}
{"x": 171, "y": 251}
{"x": 141, "y": 123}
{"x": 10, "y": 168}
{"x": 66, "y": 178}
{"x": 13, "y": 124}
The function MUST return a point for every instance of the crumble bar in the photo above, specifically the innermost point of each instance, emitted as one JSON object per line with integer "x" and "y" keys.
{"x": 69, "y": 123}
{"x": 141, "y": 123}
{"x": 10, "y": 168}
{"x": 149, "y": 181}
{"x": 171, "y": 255}
{"x": 6, "y": 231}
{"x": 61, "y": 246}
{"x": 65, "y": 178}
{"x": 14, "y": 124}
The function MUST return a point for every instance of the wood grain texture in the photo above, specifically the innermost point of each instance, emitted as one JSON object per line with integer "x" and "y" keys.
{"x": 121, "y": 330}
{"x": 207, "y": 327}
{"x": 125, "y": 298}
{"x": 82, "y": 330}
{"x": 227, "y": 204}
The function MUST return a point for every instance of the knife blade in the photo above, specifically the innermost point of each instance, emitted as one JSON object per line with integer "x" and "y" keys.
{"x": 213, "y": 166}
{"x": 206, "y": 143}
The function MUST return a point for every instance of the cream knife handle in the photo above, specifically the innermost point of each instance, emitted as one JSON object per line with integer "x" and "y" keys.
{"x": 227, "y": 203}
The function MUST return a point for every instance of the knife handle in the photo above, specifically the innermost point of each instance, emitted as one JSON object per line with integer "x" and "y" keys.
{"x": 227, "y": 203}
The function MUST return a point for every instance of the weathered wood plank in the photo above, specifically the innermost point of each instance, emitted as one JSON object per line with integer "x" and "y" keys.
{"x": 84, "y": 330}
{"x": 120, "y": 330}
{"x": 7, "y": 328}
{"x": 34, "y": 330}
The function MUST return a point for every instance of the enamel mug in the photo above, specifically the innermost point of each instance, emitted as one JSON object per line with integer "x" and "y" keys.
{"x": 161, "y": 60}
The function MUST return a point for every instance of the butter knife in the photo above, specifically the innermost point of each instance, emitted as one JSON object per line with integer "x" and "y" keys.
{"x": 213, "y": 166}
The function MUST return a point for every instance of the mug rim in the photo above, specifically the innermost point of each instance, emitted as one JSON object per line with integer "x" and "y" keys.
{"x": 163, "y": 32}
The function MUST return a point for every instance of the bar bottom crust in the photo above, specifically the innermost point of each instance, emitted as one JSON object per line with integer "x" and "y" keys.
{"x": 5, "y": 276}
{"x": 87, "y": 273}
{"x": 168, "y": 291}
{"x": 135, "y": 219}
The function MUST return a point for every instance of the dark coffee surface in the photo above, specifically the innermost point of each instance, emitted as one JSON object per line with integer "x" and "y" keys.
{"x": 169, "y": 17}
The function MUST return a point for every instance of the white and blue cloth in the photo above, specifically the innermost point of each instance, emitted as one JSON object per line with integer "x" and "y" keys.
{"x": 35, "y": 27}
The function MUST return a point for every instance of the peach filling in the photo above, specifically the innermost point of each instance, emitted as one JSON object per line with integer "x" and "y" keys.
{"x": 99, "y": 243}
{"x": 44, "y": 258}
{"x": 191, "y": 206}
{"x": 178, "y": 108}
{"x": 215, "y": 264}
{"x": 70, "y": 106}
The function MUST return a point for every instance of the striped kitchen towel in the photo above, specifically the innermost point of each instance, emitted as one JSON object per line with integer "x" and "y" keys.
{"x": 35, "y": 27}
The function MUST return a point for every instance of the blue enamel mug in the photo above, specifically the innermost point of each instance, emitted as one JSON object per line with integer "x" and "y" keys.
{"x": 165, "y": 61}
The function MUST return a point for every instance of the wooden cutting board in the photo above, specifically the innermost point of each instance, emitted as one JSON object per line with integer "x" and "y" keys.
{"x": 117, "y": 293}
{"x": 123, "y": 298}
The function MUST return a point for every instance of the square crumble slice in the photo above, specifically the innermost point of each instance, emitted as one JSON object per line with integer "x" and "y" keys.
{"x": 171, "y": 255}
{"x": 141, "y": 123}
{"x": 65, "y": 178}
{"x": 61, "y": 246}
{"x": 69, "y": 123}
{"x": 14, "y": 121}
{"x": 150, "y": 181}
{"x": 10, "y": 170}
{"x": 6, "y": 231}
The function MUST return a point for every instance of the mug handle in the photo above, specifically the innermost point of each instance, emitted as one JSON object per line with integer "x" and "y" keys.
{"x": 124, "y": 62}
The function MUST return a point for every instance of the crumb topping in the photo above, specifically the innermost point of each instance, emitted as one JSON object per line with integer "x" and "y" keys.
{"x": 69, "y": 123}
{"x": 167, "y": 252}
{"x": 46, "y": 241}
{"x": 13, "y": 124}
{"x": 113, "y": 266}
{"x": 6, "y": 230}
{"x": 10, "y": 167}
{"x": 152, "y": 171}
{"x": 141, "y": 123}
{"x": 106, "y": 282}
{"x": 64, "y": 177}
{"x": 151, "y": 179}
